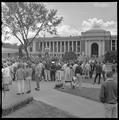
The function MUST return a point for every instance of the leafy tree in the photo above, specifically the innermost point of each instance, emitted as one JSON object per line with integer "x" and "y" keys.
{"x": 21, "y": 18}
{"x": 110, "y": 56}
{"x": 69, "y": 56}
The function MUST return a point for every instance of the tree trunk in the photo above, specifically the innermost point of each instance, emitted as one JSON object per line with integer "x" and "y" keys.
{"x": 27, "y": 53}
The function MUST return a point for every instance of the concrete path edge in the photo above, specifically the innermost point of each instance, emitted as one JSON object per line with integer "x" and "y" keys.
{"x": 16, "y": 106}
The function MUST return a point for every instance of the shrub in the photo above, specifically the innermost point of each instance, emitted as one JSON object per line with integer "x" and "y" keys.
{"x": 111, "y": 56}
{"x": 69, "y": 56}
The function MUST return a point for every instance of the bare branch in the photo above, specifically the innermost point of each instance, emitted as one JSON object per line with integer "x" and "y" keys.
{"x": 36, "y": 34}
{"x": 18, "y": 38}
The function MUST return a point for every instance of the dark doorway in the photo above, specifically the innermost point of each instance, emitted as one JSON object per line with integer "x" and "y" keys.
{"x": 94, "y": 49}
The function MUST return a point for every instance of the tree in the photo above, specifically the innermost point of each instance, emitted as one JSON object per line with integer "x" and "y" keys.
{"x": 110, "y": 56}
{"x": 69, "y": 56}
{"x": 21, "y": 18}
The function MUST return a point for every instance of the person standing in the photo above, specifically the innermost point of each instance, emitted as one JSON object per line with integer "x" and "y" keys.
{"x": 87, "y": 69}
{"x": 67, "y": 77}
{"x": 47, "y": 71}
{"x": 20, "y": 77}
{"x": 104, "y": 70}
{"x": 38, "y": 75}
{"x": 53, "y": 71}
{"x": 28, "y": 76}
{"x": 33, "y": 71}
{"x": 92, "y": 66}
{"x": 58, "y": 74}
{"x": 98, "y": 70}
{"x": 74, "y": 66}
{"x": 43, "y": 70}
{"x": 78, "y": 73}
{"x": 108, "y": 96}
{"x": 6, "y": 76}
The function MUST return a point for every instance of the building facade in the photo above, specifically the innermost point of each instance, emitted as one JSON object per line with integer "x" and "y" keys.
{"x": 94, "y": 42}
{"x": 7, "y": 51}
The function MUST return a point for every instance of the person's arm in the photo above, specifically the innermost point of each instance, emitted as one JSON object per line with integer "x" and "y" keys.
{"x": 16, "y": 75}
{"x": 102, "y": 94}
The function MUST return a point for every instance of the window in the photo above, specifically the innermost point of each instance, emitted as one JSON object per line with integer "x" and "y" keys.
{"x": 58, "y": 46}
{"x": 78, "y": 46}
{"x": 66, "y": 46}
{"x": 70, "y": 46}
{"x": 113, "y": 45}
{"x": 62, "y": 46}
{"x": 37, "y": 46}
{"x": 51, "y": 46}
{"x": 55, "y": 47}
{"x": 41, "y": 46}
{"x": 48, "y": 44}
{"x": 74, "y": 46}
{"x": 44, "y": 45}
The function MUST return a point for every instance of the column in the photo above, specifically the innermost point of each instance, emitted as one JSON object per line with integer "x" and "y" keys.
{"x": 64, "y": 46}
{"x": 76, "y": 47}
{"x": 72, "y": 45}
{"x": 57, "y": 46}
{"x": 60, "y": 47}
{"x": 53, "y": 46}
{"x": 68, "y": 46}
{"x": 115, "y": 44}
{"x": 50, "y": 46}
{"x": 99, "y": 49}
{"x": 89, "y": 48}
{"x": 86, "y": 48}
{"x": 103, "y": 47}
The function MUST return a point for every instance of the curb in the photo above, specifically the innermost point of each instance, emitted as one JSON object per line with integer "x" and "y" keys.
{"x": 16, "y": 106}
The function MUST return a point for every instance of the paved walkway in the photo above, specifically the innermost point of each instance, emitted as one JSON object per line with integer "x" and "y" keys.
{"x": 78, "y": 106}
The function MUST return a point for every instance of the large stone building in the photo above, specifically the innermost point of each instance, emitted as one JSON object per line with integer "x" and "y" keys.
{"x": 92, "y": 42}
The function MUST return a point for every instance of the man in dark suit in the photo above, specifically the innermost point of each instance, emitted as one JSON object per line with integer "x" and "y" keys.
{"x": 98, "y": 70}
{"x": 52, "y": 71}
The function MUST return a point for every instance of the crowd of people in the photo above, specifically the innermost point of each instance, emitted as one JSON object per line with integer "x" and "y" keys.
{"x": 23, "y": 71}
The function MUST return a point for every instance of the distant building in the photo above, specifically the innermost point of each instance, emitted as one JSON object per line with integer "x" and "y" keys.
{"x": 94, "y": 42}
{"x": 7, "y": 52}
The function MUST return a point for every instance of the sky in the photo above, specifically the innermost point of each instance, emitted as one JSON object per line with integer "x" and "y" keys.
{"x": 81, "y": 16}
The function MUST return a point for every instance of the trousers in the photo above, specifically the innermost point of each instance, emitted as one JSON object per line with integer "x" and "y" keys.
{"x": 20, "y": 86}
{"x": 47, "y": 74}
{"x": 110, "y": 110}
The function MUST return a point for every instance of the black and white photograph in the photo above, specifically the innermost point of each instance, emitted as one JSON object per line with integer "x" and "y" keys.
{"x": 59, "y": 60}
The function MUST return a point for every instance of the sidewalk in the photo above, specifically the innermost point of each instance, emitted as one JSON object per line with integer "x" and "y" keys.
{"x": 78, "y": 106}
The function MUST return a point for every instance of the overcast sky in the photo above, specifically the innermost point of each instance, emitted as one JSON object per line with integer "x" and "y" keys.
{"x": 81, "y": 16}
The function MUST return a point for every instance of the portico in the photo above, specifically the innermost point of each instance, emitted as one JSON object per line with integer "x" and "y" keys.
{"x": 94, "y": 47}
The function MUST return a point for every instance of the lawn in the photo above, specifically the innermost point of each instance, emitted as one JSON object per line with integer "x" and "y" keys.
{"x": 90, "y": 93}
{"x": 38, "y": 109}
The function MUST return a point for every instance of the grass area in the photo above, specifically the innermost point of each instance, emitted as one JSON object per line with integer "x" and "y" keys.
{"x": 90, "y": 93}
{"x": 39, "y": 110}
